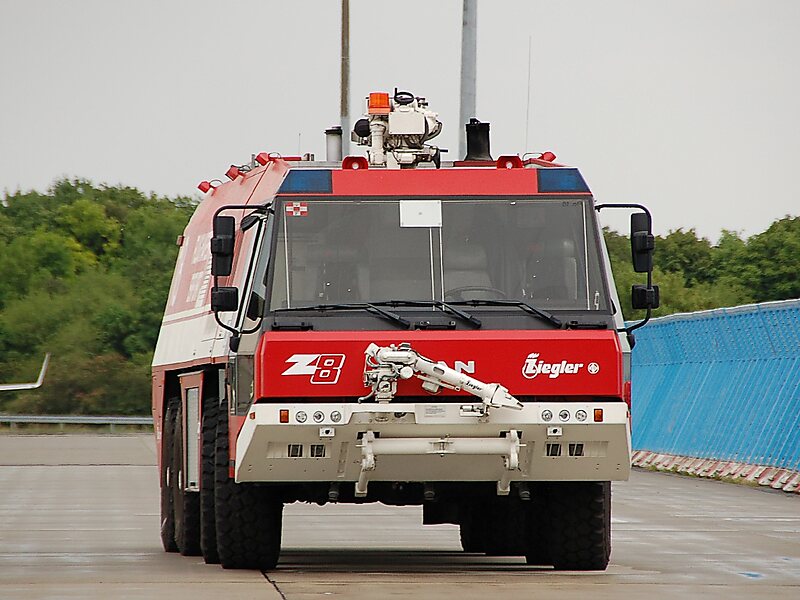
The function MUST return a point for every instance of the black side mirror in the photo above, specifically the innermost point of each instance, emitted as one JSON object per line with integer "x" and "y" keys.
{"x": 222, "y": 246}
{"x": 224, "y": 299}
{"x": 642, "y": 243}
{"x": 644, "y": 297}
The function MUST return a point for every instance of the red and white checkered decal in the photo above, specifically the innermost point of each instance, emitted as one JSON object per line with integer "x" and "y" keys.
{"x": 297, "y": 209}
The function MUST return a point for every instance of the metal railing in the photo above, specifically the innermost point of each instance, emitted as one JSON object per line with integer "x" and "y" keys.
{"x": 108, "y": 420}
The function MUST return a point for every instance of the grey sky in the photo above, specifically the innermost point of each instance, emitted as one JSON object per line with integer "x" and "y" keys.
{"x": 689, "y": 107}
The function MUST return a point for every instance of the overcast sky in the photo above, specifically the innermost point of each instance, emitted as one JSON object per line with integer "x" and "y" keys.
{"x": 689, "y": 107}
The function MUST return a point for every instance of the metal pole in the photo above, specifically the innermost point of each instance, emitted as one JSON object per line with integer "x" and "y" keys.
{"x": 528, "y": 105}
{"x": 344, "y": 86}
{"x": 469, "y": 53}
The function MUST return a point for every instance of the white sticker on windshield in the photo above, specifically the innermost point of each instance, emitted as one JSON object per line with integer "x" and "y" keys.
{"x": 420, "y": 213}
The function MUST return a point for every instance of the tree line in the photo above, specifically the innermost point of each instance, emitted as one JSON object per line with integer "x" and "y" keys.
{"x": 85, "y": 271}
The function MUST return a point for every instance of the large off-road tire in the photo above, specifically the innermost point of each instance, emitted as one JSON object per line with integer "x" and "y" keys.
{"x": 472, "y": 531}
{"x": 248, "y": 517}
{"x": 208, "y": 527}
{"x": 165, "y": 479}
{"x": 580, "y": 525}
{"x": 186, "y": 505}
{"x": 537, "y": 550}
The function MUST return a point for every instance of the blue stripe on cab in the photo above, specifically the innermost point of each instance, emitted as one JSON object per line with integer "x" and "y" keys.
{"x": 311, "y": 181}
{"x": 561, "y": 180}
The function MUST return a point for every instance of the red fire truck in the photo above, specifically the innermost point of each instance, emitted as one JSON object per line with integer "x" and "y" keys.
{"x": 402, "y": 329}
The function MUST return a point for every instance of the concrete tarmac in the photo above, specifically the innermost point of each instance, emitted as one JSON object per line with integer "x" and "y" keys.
{"x": 79, "y": 519}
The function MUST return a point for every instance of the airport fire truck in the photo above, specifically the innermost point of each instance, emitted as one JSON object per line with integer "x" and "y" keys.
{"x": 402, "y": 329}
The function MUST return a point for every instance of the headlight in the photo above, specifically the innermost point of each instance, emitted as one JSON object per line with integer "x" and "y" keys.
{"x": 318, "y": 416}
{"x": 336, "y": 416}
{"x": 581, "y": 415}
{"x": 564, "y": 415}
{"x": 300, "y": 416}
{"x": 547, "y": 415}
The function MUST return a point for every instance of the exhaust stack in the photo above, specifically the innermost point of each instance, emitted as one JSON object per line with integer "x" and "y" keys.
{"x": 333, "y": 144}
{"x": 477, "y": 141}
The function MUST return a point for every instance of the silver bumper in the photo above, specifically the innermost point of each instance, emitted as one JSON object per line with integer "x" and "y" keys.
{"x": 433, "y": 442}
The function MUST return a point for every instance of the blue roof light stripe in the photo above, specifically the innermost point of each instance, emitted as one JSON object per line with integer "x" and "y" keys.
{"x": 307, "y": 181}
{"x": 561, "y": 180}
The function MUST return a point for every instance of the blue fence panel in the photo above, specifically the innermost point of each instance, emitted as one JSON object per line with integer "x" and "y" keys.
{"x": 721, "y": 384}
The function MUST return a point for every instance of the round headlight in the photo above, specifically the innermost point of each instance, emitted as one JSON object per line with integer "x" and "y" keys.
{"x": 336, "y": 416}
{"x": 547, "y": 415}
{"x": 564, "y": 415}
{"x": 300, "y": 416}
{"x": 580, "y": 415}
{"x": 318, "y": 416}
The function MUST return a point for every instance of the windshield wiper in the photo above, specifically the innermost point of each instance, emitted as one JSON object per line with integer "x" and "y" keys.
{"x": 448, "y": 308}
{"x": 532, "y": 310}
{"x": 371, "y": 308}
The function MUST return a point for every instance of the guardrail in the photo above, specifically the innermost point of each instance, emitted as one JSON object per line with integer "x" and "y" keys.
{"x": 722, "y": 385}
{"x": 110, "y": 420}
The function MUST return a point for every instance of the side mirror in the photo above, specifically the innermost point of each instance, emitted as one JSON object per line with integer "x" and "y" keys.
{"x": 642, "y": 243}
{"x": 644, "y": 297}
{"x": 222, "y": 246}
{"x": 224, "y": 299}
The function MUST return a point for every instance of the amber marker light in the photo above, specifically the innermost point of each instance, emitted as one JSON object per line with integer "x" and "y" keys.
{"x": 378, "y": 103}
{"x": 598, "y": 415}
{"x": 284, "y": 415}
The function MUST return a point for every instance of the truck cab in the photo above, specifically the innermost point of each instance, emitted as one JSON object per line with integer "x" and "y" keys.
{"x": 401, "y": 329}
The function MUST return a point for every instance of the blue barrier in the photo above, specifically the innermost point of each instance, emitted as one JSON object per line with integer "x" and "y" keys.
{"x": 721, "y": 384}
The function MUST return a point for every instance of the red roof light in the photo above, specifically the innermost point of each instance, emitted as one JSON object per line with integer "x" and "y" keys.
{"x": 354, "y": 163}
{"x": 509, "y": 162}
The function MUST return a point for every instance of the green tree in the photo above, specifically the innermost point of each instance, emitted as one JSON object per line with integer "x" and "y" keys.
{"x": 771, "y": 266}
{"x": 684, "y": 253}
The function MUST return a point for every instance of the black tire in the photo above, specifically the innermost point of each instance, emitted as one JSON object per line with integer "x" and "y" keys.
{"x": 186, "y": 505}
{"x": 473, "y": 526}
{"x": 537, "y": 550}
{"x": 165, "y": 479}
{"x": 580, "y": 525}
{"x": 248, "y": 517}
{"x": 473, "y": 536}
{"x": 208, "y": 527}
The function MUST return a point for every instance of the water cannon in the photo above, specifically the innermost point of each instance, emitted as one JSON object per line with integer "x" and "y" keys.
{"x": 385, "y": 365}
{"x": 395, "y": 130}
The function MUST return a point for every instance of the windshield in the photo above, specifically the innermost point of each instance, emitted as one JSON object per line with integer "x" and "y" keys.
{"x": 540, "y": 251}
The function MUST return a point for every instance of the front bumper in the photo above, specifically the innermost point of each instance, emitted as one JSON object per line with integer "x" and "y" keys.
{"x": 430, "y": 441}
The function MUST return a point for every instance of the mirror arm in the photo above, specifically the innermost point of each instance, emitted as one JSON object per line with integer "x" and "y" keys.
{"x": 216, "y": 313}
{"x": 641, "y": 207}
{"x": 649, "y": 312}
{"x": 257, "y": 209}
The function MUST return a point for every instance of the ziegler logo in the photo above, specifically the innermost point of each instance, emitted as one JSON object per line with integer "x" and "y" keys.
{"x": 323, "y": 368}
{"x": 533, "y": 367}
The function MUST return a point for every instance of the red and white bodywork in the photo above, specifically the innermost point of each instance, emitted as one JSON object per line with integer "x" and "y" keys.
{"x": 400, "y": 320}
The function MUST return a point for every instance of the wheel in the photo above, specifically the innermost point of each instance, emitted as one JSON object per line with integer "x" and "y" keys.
{"x": 166, "y": 475}
{"x": 248, "y": 517}
{"x": 456, "y": 294}
{"x": 580, "y": 525}
{"x": 208, "y": 528}
{"x": 186, "y": 505}
{"x": 537, "y": 551}
{"x": 472, "y": 531}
